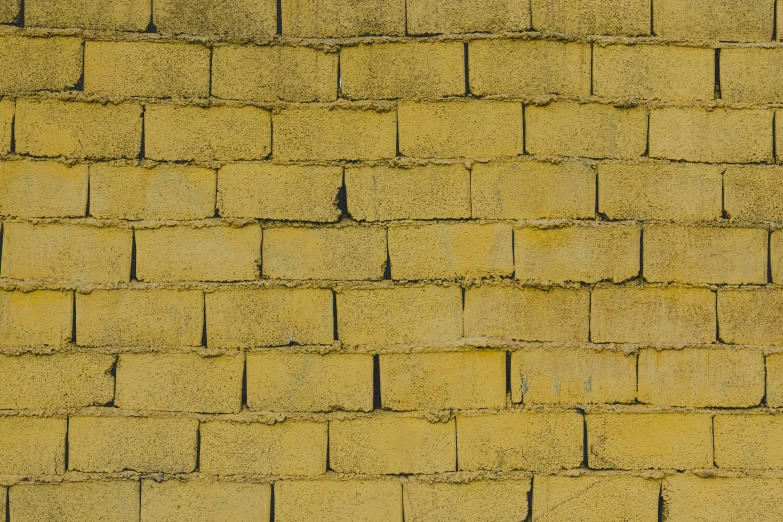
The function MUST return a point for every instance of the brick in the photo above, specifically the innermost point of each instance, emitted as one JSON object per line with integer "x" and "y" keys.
{"x": 55, "y": 381}
{"x": 399, "y": 315}
{"x": 309, "y": 382}
{"x": 595, "y": 499}
{"x": 572, "y": 376}
{"x": 774, "y": 373}
{"x": 272, "y": 73}
{"x": 214, "y": 17}
{"x": 61, "y": 251}
{"x": 751, "y": 316}
{"x": 754, "y": 193}
{"x": 32, "y": 445}
{"x": 701, "y": 377}
{"x": 460, "y": 129}
{"x": 43, "y": 189}
{"x": 420, "y": 192}
{"x": 342, "y": 253}
{"x": 198, "y": 254}
{"x": 247, "y": 317}
{"x": 402, "y": 70}
{"x": 122, "y": 15}
{"x": 89, "y": 501}
{"x": 112, "y": 444}
{"x": 732, "y": 20}
{"x": 705, "y": 255}
{"x": 9, "y": 13}
{"x": 77, "y": 129}
{"x": 204, "y": 501}
{"x": 529, "y": 67}
{"x": 664, "y": 72}
{"x": 533, "y": 190}
{"x": 649, "y": 440}
{"x": 197, "y": 134}
{"x": 447, "y": 250}
{"x": 177, "y": 382}
{"x": 40, "y": 64}
{"x": 526, "y": 314}
{"x": 357, "y": 500}
{"x": 776, "y": 256}
{"x": 526, "y": 441}
{"x": 42, "y": 317}
{"x": 340, "y": 18}
{"x": 484, "y": 501}
{"x": 7, "y": 123}
{"x": 714, "y": 136}
{"x": 166, "y": 191}
{"x": 689, "y": 498}
{"x": 325, "y": 133}
{"x": 466, "y": 16}
{"x": 392, "y": 445}
{"x": 441, "y": 381}
{"x": 589, "y": 130}
{"x": 283, "y": 192}
{"x": 751, "y": 74}
{"x": 622, "y": 18}
{"x": 576, "y": 253}
{"x": 157, "y": 317}
{"x": 285, "y": 448}
{"x": 748, "y": 442}
{"x": 672, "y": 191}
{"x": 653, "y": 315}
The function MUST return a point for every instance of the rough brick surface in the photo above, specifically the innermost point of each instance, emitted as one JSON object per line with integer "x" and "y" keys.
{"x": 106, "y": 501}
{"x": 753, "y": 193}
{"x": 774, "y": 371}
{"x": 732, "y": 20}
{"x": 361, "y": 500}
{"x": 214, "y": 17}
{"x": 474, "y": 501}
{"x": 40, "y": 64}
{"x": 689, "y": 497}
{"x": 340, "y": 18}
{"x": 43, "y": 189}
{"x": 750, "y": 317}
{"x": 36, "y": 318}
{"x": 204, "y": 501}
{"x": 466, "y": 16}
{"x": 623, "y": 18}
{"x": 9, "y": 11}
{"x": 748, "y": 442}
{"x": 751, "y": 74}
{"x": 32, "y": 446}
{"x": 122, "y": 15}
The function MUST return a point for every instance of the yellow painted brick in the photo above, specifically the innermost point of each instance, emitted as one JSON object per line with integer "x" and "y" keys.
{"x": 466, "y": 16}
{"x": 572, "y": 376}
{"x": 649, "y": 440}
{"x": 528, "y": 441}
{"x": 748, "y": 442}
{"x": 675, "y": 191}
{"x": 776, "y": 256}
{"x": 751, "y": 74}
{"x": 459, "y": 129}
{"x": 356, "y": 500}
{"x": 733, "y": 20}
{"x": 286, "y": 448}
{"x": 653, "y": 315}
{"x": 174, "y": 132}
{"x": 527, "y": 314}
{"x": 705, "y": 254}
{"x": 399, "y": 315}
{"x": 40, "y": 64}
{"x": 286, "y": 192}
{"x": 112, "y": 444}
{"x": 89, "y": 501}
{"x": 577, "y": 253}
{"x": 309, "y": 382}
{"x": 774, "y": 372}
{"x": 486, "y": 501}
{"x": 623, "y": 17}
{"x": 701, "y": 377}
{"x": 402, "y": 70}
{"x": 339, "y": 18}
{"x": 440, "y": 381}
{"x": 215, "y": 17}
{"x": 715, "y": 136}
{"x": 688, "y": 498}
{"x": 55, "y": 381}
{"x": 120, "y": 15}
{"x": 420, "y": 192}
{"x": 32, "y": 445}
{"x": 198, "y": 254}
{"x": 34, "y": 318}
{"x": 9, "y": 13}
{"x": 664, "y": 72}
{"x": 324, "y": 253}
{"x": 43, "y": 189}
{"x": 754, "y": 193}
{"x": 268, "y": 317}
{"x": 180, "y": 382}
{"x": 595, "y": 499}
{"x": 533, "y": 190}
{"x": 392, "y": 445}
{"x": 61, "y": 251}
{"x": 77, "y": 129}
{"x": 204, "y": 501}
{"x": 166, "y": 191}
{"x": 751, "y": 316}
{"x": 271, "y": 73}
{"x": 447, "y": 250}
{"x": 324, "y": 133}
{"x": 7, "y": 123}
{"x": 529, "y": 67}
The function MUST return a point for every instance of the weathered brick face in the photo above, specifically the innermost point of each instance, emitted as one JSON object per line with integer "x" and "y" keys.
{"x": 391, "y": 260}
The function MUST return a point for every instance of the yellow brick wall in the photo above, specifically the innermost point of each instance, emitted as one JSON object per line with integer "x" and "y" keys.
{"x": 391, "y": 260}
